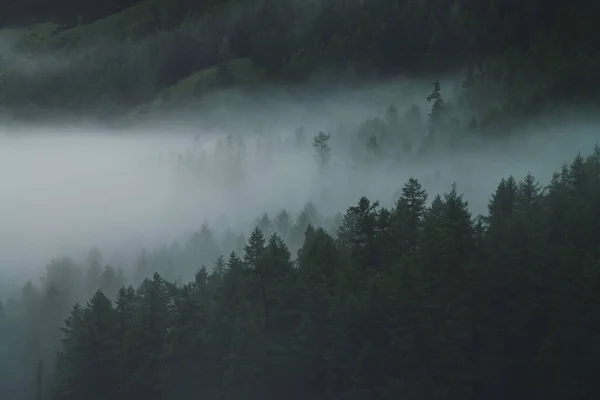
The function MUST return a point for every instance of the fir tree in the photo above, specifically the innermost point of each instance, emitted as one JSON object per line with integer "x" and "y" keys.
{"x": 321, "y": 146}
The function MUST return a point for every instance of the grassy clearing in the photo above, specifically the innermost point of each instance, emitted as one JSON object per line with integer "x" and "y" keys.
{"x": 131, "y": 23}
{"x": 243, "y": 74}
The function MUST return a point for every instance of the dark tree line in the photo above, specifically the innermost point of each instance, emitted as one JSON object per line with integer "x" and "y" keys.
{"x": 421, "y": 300}
{"x": 524, "y": 56}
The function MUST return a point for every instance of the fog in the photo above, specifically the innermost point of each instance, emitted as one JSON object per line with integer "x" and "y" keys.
{"x": 65, "y": 190}
{"x": 154, "y": 179}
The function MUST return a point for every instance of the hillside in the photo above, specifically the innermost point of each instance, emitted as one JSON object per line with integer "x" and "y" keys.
{"x": 308, "y": 199}
{"x": 523, "y": 57}
{"x": 421, "y": 300}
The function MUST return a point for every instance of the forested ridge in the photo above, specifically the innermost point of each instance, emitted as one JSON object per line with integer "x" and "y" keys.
{"x": 528, "y": 56}
{"x": 420, "y": 300}
{"x": 416, "y": 297}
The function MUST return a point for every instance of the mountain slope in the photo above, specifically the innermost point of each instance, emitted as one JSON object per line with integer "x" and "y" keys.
{"x": 526, "y": 56}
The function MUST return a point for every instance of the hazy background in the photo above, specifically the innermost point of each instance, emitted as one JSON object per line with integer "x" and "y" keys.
{"x": 69, "y": 188}
{"x": 132, "y": 126}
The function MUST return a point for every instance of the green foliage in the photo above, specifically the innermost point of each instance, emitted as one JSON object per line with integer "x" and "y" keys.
{"x": 522, "y": 57}
{"x": 420, "y": 300}
{"x": 437, "y": 106}
{"x": 323, "y": 151}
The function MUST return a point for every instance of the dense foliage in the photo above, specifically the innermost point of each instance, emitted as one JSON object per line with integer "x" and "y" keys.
{"x": 525, "y": 56}
{"x": 418, "y": 301}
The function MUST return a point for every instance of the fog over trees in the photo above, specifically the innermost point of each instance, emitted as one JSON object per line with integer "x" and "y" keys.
{"x": 257, "y": 199}
{"x": 295, "y": 285}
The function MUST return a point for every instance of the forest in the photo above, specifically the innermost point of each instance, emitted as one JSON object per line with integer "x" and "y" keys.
{"x": 108, "y": 57}
{"x": 423, "y": 295}
{"x": 419, "y": 300}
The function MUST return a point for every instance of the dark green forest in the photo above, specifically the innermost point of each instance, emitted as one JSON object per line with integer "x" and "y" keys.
{"x": 524, "y": 57}
{"x": 423, "y": 299}
{"x": 420, "y": 300}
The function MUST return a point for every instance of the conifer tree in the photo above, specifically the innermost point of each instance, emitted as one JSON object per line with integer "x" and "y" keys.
{"x": 437, "y": 107}
{"x": 323, "y": 151}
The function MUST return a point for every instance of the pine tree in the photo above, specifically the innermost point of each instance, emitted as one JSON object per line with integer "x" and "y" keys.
{"x": 438, "y": 106}
{"x": 457, "y": 227}
{"x": 283, "y": 224}
{"x": 70, "y": 359}
{"x": 323, "y": 151}
{"x": 255, "y": 249}
{"x": 220, "y": 267}
{"x": 358, "y": 233}
{"x": 265, "y": 225}
{"x": 408, "y": 218}
{"x": 318, "y": 258}
{"x": 145, "y": 348}
{"x": 429, "y": 254}
{"x": 88, "y": 366}
{"x": 418, "y": 301}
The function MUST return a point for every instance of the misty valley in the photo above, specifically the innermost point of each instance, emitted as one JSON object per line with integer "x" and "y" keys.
{"x": 248, "y": 263}
{"x": 317, "y": 199}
